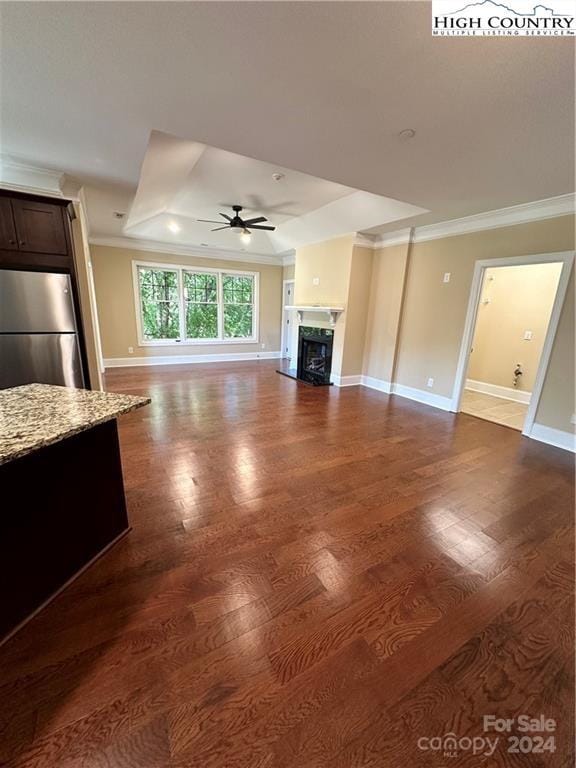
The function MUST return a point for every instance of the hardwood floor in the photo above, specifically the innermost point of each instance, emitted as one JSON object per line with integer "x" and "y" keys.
{"x": 315, "y": 577}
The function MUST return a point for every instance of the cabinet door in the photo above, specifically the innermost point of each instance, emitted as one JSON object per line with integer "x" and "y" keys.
{"x": 7, "y": 230}
{"x": 39, "y": 227}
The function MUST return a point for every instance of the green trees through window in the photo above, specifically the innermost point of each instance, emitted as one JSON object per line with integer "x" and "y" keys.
{"x": 238, "y": 295}
{"x": 181, "y": 304}
{"x": 160, "y": 304}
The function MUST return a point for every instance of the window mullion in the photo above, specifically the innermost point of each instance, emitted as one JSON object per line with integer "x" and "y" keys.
{"x": 220, "y": 307}
{"x": 182, "y": 305}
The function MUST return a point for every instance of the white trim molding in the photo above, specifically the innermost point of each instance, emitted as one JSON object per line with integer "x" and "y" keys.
{"x": 421, "y": 396}
{"x": 28, "y": 178}
{"x": 555, "y": 437}
{"x": 345, "y": 381}
{"x": 550, "y": 208}
{"x": 226, "y": 357}
{"x": 567, "y": 259}
{"x": 378, "y": 384}
{"x": 197, "y": 251}
{"x": 505, "y": 393}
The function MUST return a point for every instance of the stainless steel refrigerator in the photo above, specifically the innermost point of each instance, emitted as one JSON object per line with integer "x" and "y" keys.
{"x": 38, "y": 331}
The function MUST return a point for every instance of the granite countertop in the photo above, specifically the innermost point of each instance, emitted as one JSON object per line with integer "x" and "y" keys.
{"x": 36, "y": 415}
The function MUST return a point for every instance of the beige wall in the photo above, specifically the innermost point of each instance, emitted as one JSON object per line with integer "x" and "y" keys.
{"x": 112, "y": 269}
{"x": 386, "y": 292}
{"x": 89, "y": 322}
{"x": 330, "y": 263}
{"x": 433, "y": 312}
{"x": 557, "y": 404}
{"x": 357, "y": 311}
{"x": 513, "y": 300}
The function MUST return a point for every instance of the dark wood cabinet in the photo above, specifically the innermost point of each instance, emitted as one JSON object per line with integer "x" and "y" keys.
{"x": 40, "y": 227}
{"x": 35, "y": 236}
{"x": 7, "y": 229}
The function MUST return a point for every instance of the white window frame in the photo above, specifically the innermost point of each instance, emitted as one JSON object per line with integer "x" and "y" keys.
{"x": 183, "y": 341}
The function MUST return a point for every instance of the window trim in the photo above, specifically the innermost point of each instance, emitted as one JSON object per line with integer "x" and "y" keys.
{"x": 184, "y": 342}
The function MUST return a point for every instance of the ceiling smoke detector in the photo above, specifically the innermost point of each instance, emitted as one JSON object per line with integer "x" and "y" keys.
{"x": 118, "y": 214}
{"x": 277, "y": 176}
{"x": 407, "y": 133}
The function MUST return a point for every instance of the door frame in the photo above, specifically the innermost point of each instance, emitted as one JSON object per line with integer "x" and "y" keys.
{"x": 285, "y": 312}
{"x": 480, "y": 266}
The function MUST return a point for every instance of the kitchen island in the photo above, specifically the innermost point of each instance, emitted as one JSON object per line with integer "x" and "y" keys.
{"x": 61, "y": 490}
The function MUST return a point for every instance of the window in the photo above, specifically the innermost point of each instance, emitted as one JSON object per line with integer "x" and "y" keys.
{"x": 238, "y": 291}
{"x": 180, "y": 304}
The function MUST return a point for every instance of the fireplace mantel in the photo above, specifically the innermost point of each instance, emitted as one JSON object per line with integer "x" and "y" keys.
{"x": 332, "y": 312}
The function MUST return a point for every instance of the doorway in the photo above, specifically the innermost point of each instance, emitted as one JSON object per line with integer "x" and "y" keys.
{"x": 289, "y": 325}
{"x": 513, "y": 313}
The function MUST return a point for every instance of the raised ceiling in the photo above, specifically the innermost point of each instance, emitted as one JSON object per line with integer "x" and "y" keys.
{"x": 323, "y": 88}
{"x": 183, "y": 184}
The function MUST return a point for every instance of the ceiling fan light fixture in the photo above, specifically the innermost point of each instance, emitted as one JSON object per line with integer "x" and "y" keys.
{"x": 174, "y": 227}
{"x": 246, "y": 236}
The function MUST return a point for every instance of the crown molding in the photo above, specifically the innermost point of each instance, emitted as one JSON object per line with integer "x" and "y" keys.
{"x": 29, "y": 178}
{"x": 288, "y": 258}
{"x": 156, "y": 246}
{"x": 552, "y": 207}
{"x": 363, "y": 241}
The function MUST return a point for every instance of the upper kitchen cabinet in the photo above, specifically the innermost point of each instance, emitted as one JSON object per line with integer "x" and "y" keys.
{"x": 40, "y": 227}
{"x": 8, "y": 239}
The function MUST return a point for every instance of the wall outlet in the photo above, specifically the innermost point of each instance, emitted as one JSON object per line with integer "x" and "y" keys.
{"x": 315, "y": 281}
{"x": 573, "y": 419}
{"x": 527, "y": 335}
{"x": 446, "y": 278}
{"x": 130, "y": 350}
{"x": 263, "y": 345}
{"x": 430, "y": 382}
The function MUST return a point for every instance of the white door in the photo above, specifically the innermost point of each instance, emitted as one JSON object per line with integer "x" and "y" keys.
{"x": 288, "y": 322}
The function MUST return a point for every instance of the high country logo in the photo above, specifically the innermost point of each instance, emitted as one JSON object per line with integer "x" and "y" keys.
{"x": 490, "y": 18}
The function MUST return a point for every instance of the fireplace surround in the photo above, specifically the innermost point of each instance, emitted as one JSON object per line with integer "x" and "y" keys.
{"x": 315, "y": 355}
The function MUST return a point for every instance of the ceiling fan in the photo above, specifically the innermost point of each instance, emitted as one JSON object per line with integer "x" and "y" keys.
{"x": 238, "y": 224}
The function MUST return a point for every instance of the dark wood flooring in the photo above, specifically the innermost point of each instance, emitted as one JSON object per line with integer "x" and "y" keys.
{"x": 316, "y": 578}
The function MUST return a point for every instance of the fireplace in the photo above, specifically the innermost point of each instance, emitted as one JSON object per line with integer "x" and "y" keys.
{"x": 315, "y": 355}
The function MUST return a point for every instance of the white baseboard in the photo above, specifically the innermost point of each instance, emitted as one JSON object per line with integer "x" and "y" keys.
{"x": 345, "y": 381}
{"x": 129, "y": 362}
{"x": 506, "y": 393}
{"x": 420, "y": 396}
{"x": 378, "y": 384}
{"x": 556, "y": 437}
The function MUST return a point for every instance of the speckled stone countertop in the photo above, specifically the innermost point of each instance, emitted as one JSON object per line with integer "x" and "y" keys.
{"x": 36, "y": 415}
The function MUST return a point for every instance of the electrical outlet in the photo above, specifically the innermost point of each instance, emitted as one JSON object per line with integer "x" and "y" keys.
{"x": 263, "y": 345}
{"x": 573, "y": 419}
{"x": 130, "y": 350}
{"x": 315, "y": 281}
{"x": 446, "y": 277}
{"x": 430, "y": 382}
{"x": 527, "y": 335}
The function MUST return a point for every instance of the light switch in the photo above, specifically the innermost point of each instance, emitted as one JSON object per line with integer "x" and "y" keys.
{"x": 315, "y": 281}
{"x": 430, "y": 382}
{"x": 446, "y": 277}
{"x": 527, "y": 335}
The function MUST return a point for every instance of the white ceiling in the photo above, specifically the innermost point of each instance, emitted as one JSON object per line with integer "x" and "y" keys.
{"x": 323, "y": 88}
{"x": 183, "y": 182}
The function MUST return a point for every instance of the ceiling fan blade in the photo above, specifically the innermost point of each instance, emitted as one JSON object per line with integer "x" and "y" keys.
{"x": 259, "y": 226}
{"x": 219, "y": 228}
{"x": 209, "y": 221}
{"x": 228, "y": 218}
{"x": 257, "y": 220}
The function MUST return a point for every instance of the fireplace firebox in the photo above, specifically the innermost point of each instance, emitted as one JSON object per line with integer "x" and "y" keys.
{"x": 315, "y": 355}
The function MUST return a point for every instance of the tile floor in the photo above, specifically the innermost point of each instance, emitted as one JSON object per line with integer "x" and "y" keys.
{"x": 496, "y": 409}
